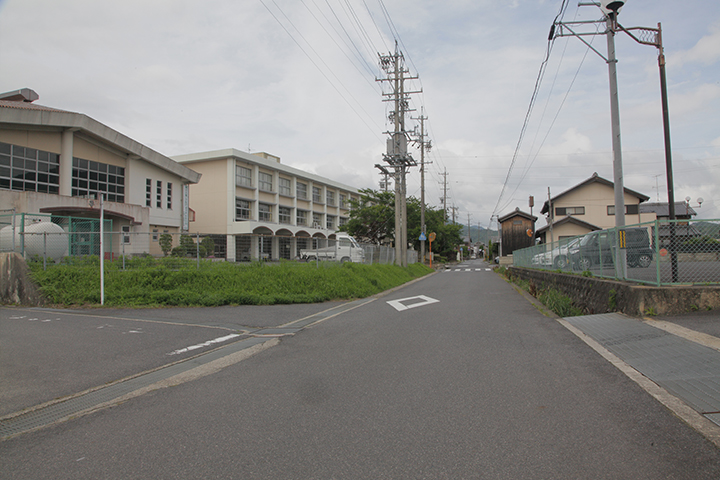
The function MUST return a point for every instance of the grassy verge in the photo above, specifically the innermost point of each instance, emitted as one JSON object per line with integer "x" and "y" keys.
{"x": 156, "y": 282}
{"x": 552, "y": 298}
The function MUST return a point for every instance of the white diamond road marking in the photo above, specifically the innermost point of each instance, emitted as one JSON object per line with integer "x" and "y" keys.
{"x": 400, "y": 306}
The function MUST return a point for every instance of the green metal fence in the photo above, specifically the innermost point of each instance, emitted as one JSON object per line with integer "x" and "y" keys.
{"x": 654, "y": 253}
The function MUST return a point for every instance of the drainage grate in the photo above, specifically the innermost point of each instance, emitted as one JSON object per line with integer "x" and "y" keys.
{"x": 686, "y": 369}
{"x": 75, "y": 406}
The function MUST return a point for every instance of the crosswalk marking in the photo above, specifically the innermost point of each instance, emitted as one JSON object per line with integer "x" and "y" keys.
{"x": 449, "y": 270}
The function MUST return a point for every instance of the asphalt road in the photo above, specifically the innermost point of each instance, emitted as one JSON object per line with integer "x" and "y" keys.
{"x": 460, "y": 378}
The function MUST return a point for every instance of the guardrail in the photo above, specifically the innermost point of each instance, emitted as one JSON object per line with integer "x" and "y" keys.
{"x": 654, "y": 253}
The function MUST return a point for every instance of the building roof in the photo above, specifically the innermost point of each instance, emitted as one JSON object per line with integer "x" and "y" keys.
{"x": 568, "y": 219}
{"x": 663, "y": 210}
{"x": 24, "y": 114}
{"x": 517, "y": 213}
{"x": 263, "y": 159}
{"x": 595, "y": 178}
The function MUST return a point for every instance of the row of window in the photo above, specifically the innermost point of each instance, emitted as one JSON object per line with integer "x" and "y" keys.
{"x": 243, "y": 178}
{"x": 633, "y": 209}
{"x": 158, "y": 194}
{"x": 29, "y": 169}
{"x": 92, "y": 179}
{"x": 243, "y": 211}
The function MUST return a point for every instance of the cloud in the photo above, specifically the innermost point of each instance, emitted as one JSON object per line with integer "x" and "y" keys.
{"x": 706, "y": 51}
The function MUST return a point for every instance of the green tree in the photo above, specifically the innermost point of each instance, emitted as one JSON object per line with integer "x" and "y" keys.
{"x": 166, "y": 243}
{"x": 372, "y": 219}
{"x": 209, "y": 244}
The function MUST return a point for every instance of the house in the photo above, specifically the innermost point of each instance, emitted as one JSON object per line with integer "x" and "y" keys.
{"x": 586, "y": 207}
{"x": 517, "y": 231}
{"x": 57, "y": 164}
{"x": 683, "y": 214}
{"x": 257, "y": 207}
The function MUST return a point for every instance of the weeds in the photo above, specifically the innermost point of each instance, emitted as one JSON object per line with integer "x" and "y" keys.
{"x": 178, "y": 282}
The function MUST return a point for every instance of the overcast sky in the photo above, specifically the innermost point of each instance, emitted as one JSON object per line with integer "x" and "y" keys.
{"x": 297, "y": 79}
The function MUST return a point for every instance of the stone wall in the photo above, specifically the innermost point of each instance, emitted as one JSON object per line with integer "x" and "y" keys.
{"x": 595, "y": 295}
{"x": 15, "y": 284}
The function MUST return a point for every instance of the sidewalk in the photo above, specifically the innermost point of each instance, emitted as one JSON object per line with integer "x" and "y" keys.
{"x": 681, "y": 354}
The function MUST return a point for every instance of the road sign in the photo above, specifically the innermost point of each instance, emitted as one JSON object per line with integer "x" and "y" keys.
{"x": 422, "y": 237}
{"x": 432, "y": 237}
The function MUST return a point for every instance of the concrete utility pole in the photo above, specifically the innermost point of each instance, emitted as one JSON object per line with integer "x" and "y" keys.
{"x": 397, "y": 156}
{"x": 444, "y": 198}
{"x": 424, "y": 146}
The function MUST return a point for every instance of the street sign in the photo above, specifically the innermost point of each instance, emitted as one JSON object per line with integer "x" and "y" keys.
{"x": 422, "y": 237}
{"x": 432, "y": 237}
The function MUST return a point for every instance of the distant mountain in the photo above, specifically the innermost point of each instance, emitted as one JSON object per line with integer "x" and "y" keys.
{"x": 479, "y": 234}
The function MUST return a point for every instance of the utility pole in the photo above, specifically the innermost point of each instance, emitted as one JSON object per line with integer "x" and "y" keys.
{"x": 424, "y": 146}
{"x": 444, "y": 197}
{"x": 397, "y": 156}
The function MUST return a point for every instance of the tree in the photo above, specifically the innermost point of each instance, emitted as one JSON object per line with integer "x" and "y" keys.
{"x": 372, "y": 219}
{"x": 166, "y": 243}
{"x": 209, "y": 244}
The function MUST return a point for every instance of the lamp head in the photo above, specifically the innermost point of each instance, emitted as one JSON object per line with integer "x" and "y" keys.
{"x": 611, "y": 6}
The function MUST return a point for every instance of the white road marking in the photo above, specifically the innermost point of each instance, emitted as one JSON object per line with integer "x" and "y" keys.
{"x": 205, "y": 344}
{"x": 399, "y": 306}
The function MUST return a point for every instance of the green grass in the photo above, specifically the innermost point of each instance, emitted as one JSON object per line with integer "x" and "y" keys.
{"x": 150, "y": 282}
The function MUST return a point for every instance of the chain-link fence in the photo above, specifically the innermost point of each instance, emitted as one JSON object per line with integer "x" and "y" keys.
{"x": 52, "y": 239}
{"x": 656, "y": 253}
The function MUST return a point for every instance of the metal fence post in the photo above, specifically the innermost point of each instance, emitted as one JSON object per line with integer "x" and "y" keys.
{"x": 44, "y": 250}
{"x": 657, "y": 251}
{"x": 197, "y": 249}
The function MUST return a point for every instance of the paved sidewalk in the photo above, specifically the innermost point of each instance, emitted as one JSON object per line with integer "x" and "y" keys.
{"x": 688, "y": 369}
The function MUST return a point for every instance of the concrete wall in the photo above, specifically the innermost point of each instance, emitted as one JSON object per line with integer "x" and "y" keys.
{"x": 594, "y": 295}
{"x": 15, "y": 284}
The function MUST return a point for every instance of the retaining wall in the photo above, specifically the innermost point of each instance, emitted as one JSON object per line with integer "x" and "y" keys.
{"x": 595, "y": 295}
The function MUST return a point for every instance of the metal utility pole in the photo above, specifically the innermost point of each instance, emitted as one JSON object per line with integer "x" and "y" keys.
{"x": 646, "y": 36}
{"x": 424, "y": 146}
{"x": 397, "y": 156}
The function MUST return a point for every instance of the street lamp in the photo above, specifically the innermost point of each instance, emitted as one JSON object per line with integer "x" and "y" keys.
{"x": 644, "y": 36}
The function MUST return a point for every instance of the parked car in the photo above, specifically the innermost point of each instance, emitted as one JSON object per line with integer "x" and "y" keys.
{"x": 597, "y": 248}
{"x": 558, "y": 257}
{"x": 345, "y": 249}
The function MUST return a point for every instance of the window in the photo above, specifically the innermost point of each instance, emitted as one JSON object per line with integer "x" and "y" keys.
{"x": 330, "y": 222}
{"x": 148, "y": 192}
{"x": 28, "y": 169}
{"x": 242, "y": 209}
{"x": 126, "y": 234}
{"x": 301, "y": 217}
{"x": 284, "y": 215}
{"x": 93, "y": 179}
{"x": 158, "y": 196}
{"x": 265, "y": 212}
{"x": 317, "y": 220}
{"x": 243, "y": 176}
{"x": 343, "y": 221}
{"x": 330, "y": 196}
{"x": 155, "y": 236}
{"x": 317, "y": 197}
{"x": 562, "y": 211}
{"x": 265, "y": 181}
{"x": 169, "y": 196}
{"x": 285, "y": 187}
{"x": 343, "y": 201}
{"x": 629, "y": 209}
{"x": 301, "y": 190}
